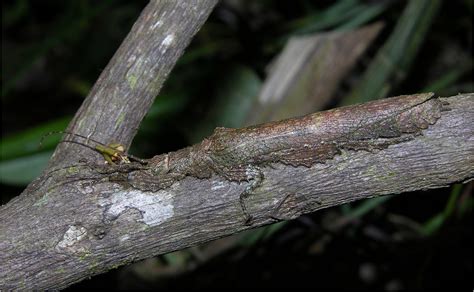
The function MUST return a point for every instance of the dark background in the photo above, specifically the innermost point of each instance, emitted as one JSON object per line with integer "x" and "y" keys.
{"x": 53, "y": 51}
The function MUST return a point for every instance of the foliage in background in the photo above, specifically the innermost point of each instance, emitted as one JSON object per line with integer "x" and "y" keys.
{"x": 51, "y": 58}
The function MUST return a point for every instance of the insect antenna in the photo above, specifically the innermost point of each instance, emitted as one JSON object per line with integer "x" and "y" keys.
{"x": 74, "y": 134}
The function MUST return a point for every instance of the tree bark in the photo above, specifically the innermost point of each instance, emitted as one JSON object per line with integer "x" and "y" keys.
{"x": 81, "y": 219}
{"x": 134, "y": 76}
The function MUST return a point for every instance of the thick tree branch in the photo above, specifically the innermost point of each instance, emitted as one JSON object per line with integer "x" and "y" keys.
{"x": 128, "y": 85}
{"x": 79, "y": 221}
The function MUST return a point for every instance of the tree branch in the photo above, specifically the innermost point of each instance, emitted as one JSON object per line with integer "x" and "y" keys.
{"x": 128, "y": 85}
{"x": 84, "y": 219}
{"x": 80, "y": 221}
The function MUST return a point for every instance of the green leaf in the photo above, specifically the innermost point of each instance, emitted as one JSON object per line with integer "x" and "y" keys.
{"x": 27, "y": 142}
{"x": 437, "y": 221}
{"x": 235, "y": 97}
{"x": 433, "y": 225}
{"x": 448, "y": 79}
{"x": 21, "y": 171}
{"x": 177, "y": 258}
{"x": 68, "y": 27}
{"x": 320, "y": 20}
{"x": 365, "y": 15}
{"x": 367, "y": 206}
{"x": 252, "y": 237}
{"x": 347, "y": 14}
{"x": 394, "y": 59}
{"x": 166, "y": 105}
{"x": 234, "y": 100}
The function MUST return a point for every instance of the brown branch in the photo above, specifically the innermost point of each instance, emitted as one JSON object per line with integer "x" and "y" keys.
{"x": 80, "y": 221}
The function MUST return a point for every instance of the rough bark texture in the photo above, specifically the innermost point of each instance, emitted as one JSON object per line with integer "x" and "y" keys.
{"x": 128, "y": 85}
{"x": 79, "y": 221}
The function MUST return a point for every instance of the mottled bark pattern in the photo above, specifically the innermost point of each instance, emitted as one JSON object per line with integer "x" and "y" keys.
{"x": 235, "y": 153}
{"x": 82, "y": 220}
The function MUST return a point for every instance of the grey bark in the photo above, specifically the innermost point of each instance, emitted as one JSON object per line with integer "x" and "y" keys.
{"x": 78, "y": 221}
{"x": 112, "y": 112}
{"x": 72, "y": 224}
{"x": 128, "y": 85}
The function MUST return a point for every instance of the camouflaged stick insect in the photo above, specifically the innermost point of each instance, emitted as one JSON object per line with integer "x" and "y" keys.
{"x": 113, "y": 153}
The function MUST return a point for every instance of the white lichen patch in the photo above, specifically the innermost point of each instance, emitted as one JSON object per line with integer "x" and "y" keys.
{"x": 155, "y": 208}
{"x": 157, "y": 24}
{"x": 131, "y": 59}
{"x": 218, "y": 185}
{"x": 167, "y": 41}
{"x": 72, "y": 236}
{"x": 42, "y": 201}
{"x": 85, "y": 189}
